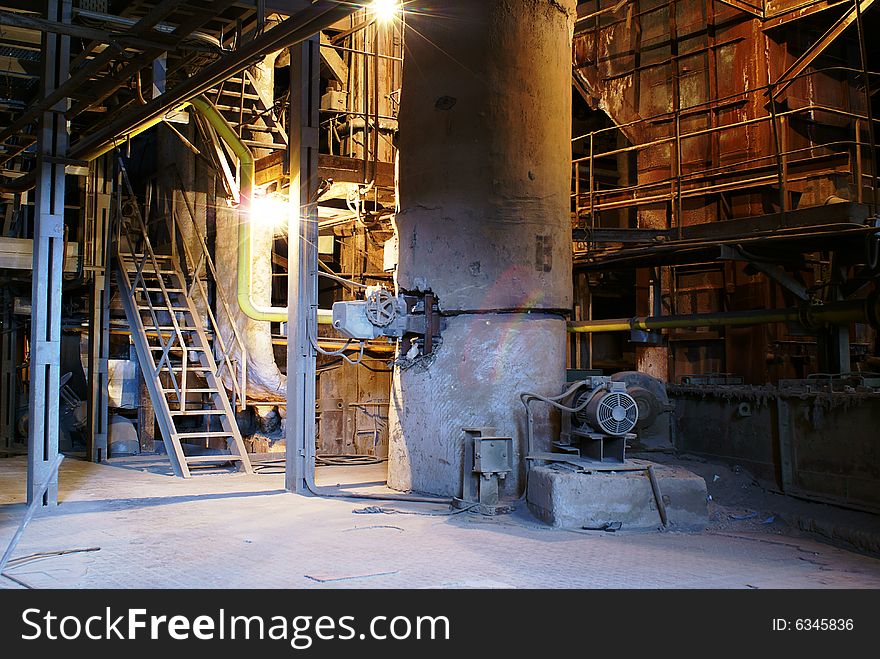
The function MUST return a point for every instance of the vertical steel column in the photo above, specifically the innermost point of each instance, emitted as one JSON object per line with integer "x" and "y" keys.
{"x": 45, "y": 344}
{"x": 98, "y": 201}
{"x": 868, "y": 110}
{"x": 302, "y": 287}
{"x": 8, "y": 380}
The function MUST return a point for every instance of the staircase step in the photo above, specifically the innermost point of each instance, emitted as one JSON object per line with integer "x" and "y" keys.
{"x": 237, "y": 94}
{"x": 264, "y": 145}
{"x": 196, "y": 412}
{"x": 203, "y": 433}
{"x": 145, "y": 307}
{"x": 195, "y": 459}
{"x": 178, "y": 348}
{"x": 228, "y": 81}
{"x": 234, "y": 108}
{"x": 192, "y": 391}
{"x": 159, "y": 290}
{"x": 139, "y": 257}
{"x": 150, "y": 273}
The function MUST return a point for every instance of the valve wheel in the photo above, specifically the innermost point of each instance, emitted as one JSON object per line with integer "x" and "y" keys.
{"x": 381, "y": 308}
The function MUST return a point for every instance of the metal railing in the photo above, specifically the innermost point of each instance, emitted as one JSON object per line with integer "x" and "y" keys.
{"x": 237, "y": 368}
{"x": 164, "y": 364}
{"x": 778, "y": 165}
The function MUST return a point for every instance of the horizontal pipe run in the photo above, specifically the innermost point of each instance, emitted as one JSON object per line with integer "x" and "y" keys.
{"x": 812, "y": 316}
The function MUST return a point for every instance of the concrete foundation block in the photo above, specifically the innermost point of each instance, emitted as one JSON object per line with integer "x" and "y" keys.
{"x": 567, "y": 499}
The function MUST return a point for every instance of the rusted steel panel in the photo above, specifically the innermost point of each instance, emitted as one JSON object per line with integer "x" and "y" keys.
{"x": 688, "y": 84}
{"x": 713, "y": 63}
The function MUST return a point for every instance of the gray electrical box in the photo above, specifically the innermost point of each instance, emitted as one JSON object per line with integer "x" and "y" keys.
{"x": 493, "y": 455}
{"x": 488, "y": 459}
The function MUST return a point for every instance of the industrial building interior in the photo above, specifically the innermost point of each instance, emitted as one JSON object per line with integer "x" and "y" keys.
{"x": 508, "y": 293}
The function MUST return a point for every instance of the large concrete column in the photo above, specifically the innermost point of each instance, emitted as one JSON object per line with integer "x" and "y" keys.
{"x": 484, "y": 224}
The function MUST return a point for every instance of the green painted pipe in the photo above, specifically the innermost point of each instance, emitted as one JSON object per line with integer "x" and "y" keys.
{"x": 246, "y": 187}
{"x": 835, "y": 313}
{"x": 246, "y": 191}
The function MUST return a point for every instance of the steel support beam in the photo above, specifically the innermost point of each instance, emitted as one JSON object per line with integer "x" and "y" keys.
{"x": 302, "y": 288}
{"x": 98, "y": 203}
{"x": 104, "y": 88}
{"x": 45, "y": 343}
{"x": 8, "y": 379}
{"x": 292, "y": 31}
{"x": 74, "y": 82}
{"x": 819, "y": 46}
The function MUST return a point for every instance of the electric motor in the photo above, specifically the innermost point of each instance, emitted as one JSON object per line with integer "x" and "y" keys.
{"x": 611, "y": 412}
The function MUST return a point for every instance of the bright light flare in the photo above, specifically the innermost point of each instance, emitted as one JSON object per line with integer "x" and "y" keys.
{"x": 386, "y": 11}
{"x": 270, "y": 210}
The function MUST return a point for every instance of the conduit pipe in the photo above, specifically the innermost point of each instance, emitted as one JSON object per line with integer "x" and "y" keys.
{"x": 246, "y": 190}
{"x": 811, "y": 316}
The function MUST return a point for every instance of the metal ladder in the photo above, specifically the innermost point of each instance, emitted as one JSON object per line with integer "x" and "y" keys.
{"x": 239, "y": 100}
{"x": 173, "y": 348}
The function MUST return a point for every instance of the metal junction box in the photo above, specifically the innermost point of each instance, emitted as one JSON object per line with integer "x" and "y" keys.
{"x": 493, "y": 455}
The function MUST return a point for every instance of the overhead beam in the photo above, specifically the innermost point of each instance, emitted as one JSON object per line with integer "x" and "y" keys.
{"x": 754, "y": 10}
{"x": 74, "y": 82}
{"x": 333, "y": 61}
{"x": 30, "y": 27}
{"x": 797, "y": 12}
{"x": 105, "y": 88}
{"x": 291, "y": 31}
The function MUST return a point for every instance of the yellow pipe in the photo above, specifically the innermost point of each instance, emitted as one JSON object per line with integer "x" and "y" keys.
{"x": 134, "y": 132}
{"x": 834, "y": 313}
{"x": 246, "y": 189}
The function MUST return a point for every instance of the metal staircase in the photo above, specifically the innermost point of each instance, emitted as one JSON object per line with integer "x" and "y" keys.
{"x": 253, "y": 115}
{"x": 173, "y": 349}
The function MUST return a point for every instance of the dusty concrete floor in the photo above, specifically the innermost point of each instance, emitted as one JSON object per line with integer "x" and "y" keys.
{"x": 233, "y": 531}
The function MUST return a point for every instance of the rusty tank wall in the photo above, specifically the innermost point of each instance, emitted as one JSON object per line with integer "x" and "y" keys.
{"x": 483, "y": 224}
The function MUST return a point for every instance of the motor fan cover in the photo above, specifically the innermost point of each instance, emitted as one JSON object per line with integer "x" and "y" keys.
{"x": 612, "y": 412}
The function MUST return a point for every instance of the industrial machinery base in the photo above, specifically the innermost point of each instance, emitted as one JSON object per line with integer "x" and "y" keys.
{"x": 607, "y": 497}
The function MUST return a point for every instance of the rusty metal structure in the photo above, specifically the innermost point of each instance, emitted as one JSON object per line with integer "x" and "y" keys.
{"x": 738, "y": 171}
{"x": 714, "y": 225}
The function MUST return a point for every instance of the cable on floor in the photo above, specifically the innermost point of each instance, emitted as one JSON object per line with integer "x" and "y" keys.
{"x": 379, "y": 510}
